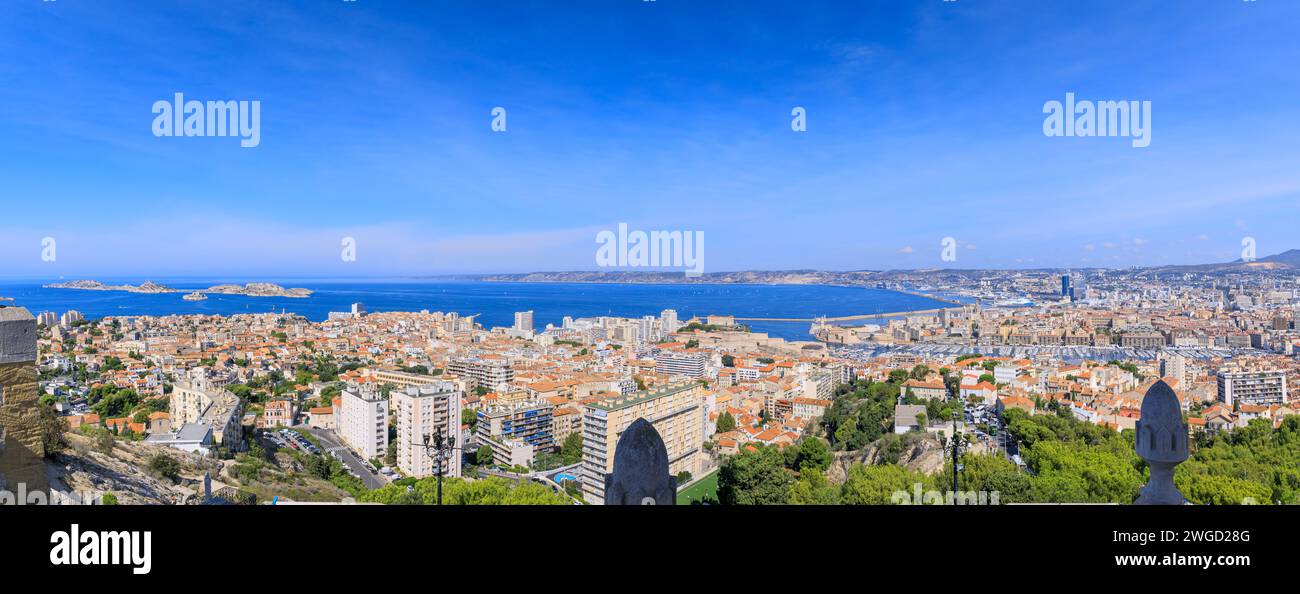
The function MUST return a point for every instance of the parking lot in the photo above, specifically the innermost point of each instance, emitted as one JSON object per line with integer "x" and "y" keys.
{"x": 330, "y": 445}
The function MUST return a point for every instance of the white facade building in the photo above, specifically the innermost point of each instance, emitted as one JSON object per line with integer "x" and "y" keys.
{"x": 363, "y": 423}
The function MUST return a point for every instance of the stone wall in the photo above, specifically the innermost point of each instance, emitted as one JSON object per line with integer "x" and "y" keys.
{"x": 21, "y": 451}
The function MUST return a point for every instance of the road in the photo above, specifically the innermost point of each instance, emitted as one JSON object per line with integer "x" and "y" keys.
{"x": 330, "y": 442}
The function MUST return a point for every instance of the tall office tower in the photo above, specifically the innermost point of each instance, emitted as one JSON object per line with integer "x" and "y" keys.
{"x": 1252, "y": 387}
{"x": 22, "y": 452}
{"x": 1065, "y": 285}
{"x": 669, "y": 319}
{"x": 358, "y": 309}
{"x": 1079, "y": 291}
{"x": 432, "y": 409}
{"x": 675, "y": 411}
{"x": 363, "y": 423}
{"x": 524, "y": 321}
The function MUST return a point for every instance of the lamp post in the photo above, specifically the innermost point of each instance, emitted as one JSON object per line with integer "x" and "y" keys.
{"x": 956, "y": 452}
{"x": 441, "y": 450}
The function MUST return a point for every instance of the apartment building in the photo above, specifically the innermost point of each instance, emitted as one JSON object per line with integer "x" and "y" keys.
{"x": 278, "y": 413}
{"x": 431, "y": 409}
{"x": 201, "y": 398}
{"x": 1260, "y": 388}
{"x": 565, "y": 421}
{"x": 524, "y": 321}
{"x": 506, "y": 428}
{"x": 493, "y": 374}
{"x": 363, "y": 423}
{"x": 687, "y": 364}
{"x": 675, "y": 411}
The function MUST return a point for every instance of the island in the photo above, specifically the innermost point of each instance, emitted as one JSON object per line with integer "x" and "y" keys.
{"x": 250, "y": 289}
{"x": 94, "y": 285}
{"x": 259, "y": 290}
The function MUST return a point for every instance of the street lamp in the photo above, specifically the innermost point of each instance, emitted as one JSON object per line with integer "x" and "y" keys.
{"x": 440, "y": 451}
{"x": 956, "y": 453}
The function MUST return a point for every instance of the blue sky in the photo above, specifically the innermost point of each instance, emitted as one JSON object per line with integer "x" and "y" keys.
{"x": 924, "y": 122}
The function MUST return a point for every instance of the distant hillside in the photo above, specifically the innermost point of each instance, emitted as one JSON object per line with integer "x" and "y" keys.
{"x": 1287, "y": 260}
{"x": 1290, "y": 258}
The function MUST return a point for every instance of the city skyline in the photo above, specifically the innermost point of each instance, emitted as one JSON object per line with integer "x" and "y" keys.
{"x": 924, "y": 122}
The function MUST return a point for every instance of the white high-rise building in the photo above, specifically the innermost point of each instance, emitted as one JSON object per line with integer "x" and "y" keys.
{"x": 524, "y": 321}
{"x": 363, "y": 423}
{"x": 680, "y": 363}
{"x": 71, "y": 317}
{"x": 427, "y": 410}
{"x": 669, "y": 319}
{"x": 1260, "y": 388}
{"x": 648, "y": 333}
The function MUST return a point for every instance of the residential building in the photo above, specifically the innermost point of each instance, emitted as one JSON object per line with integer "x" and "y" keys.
{"x": 278, "y": 413}
{"x": 675, "y": 411}
{"x": 1252, "y": 387}
{"x": 363, "y": 423}
{"x": 431, "y": 409}
{"x": 504, "y": 427}
{"x": 493, "y": 374}
{"x": 201, "y": 398}
{"x": 683, "y": 363}
{"x": 524, "y": 321}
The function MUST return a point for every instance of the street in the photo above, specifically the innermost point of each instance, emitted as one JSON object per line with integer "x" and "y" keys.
{"x": 330, "y": 443}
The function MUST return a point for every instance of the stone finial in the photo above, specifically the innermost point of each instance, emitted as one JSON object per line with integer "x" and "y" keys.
{"x": 1162, "y": 442}
{"x": 640, "y": 474}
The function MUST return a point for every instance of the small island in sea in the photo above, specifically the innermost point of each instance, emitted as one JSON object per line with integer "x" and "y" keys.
{"x": 250, "y": 289}
{"x": 258, "y": 290}
{"x": 94, "y": 285}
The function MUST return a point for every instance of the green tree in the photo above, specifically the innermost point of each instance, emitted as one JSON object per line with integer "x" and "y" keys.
{"x": 571, "y": 449}
{"x": 814, "y": 453}
{"x": 878, "y": 484}
{"x": 165, "y": 466}
{"x": 812, "y": 488}
{"x": 756, "y": 477}
{"x": 484, "y": 455}
{"x": 726, "y": 422}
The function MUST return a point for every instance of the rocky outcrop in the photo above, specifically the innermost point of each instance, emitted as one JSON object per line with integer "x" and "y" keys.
{"x": 917, "y": 452}
{"x": 82, "y": 468}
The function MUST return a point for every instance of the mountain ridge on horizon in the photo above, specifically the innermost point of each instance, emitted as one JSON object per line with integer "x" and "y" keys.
{"x": 1289, "y": 259}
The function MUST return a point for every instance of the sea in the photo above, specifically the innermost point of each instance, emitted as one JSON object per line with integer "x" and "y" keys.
{"x": 494, "y": 302}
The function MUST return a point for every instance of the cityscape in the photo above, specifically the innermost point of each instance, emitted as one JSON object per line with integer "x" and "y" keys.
{"x": 985, "y": 285}
{"x": 1036, "y": 380}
